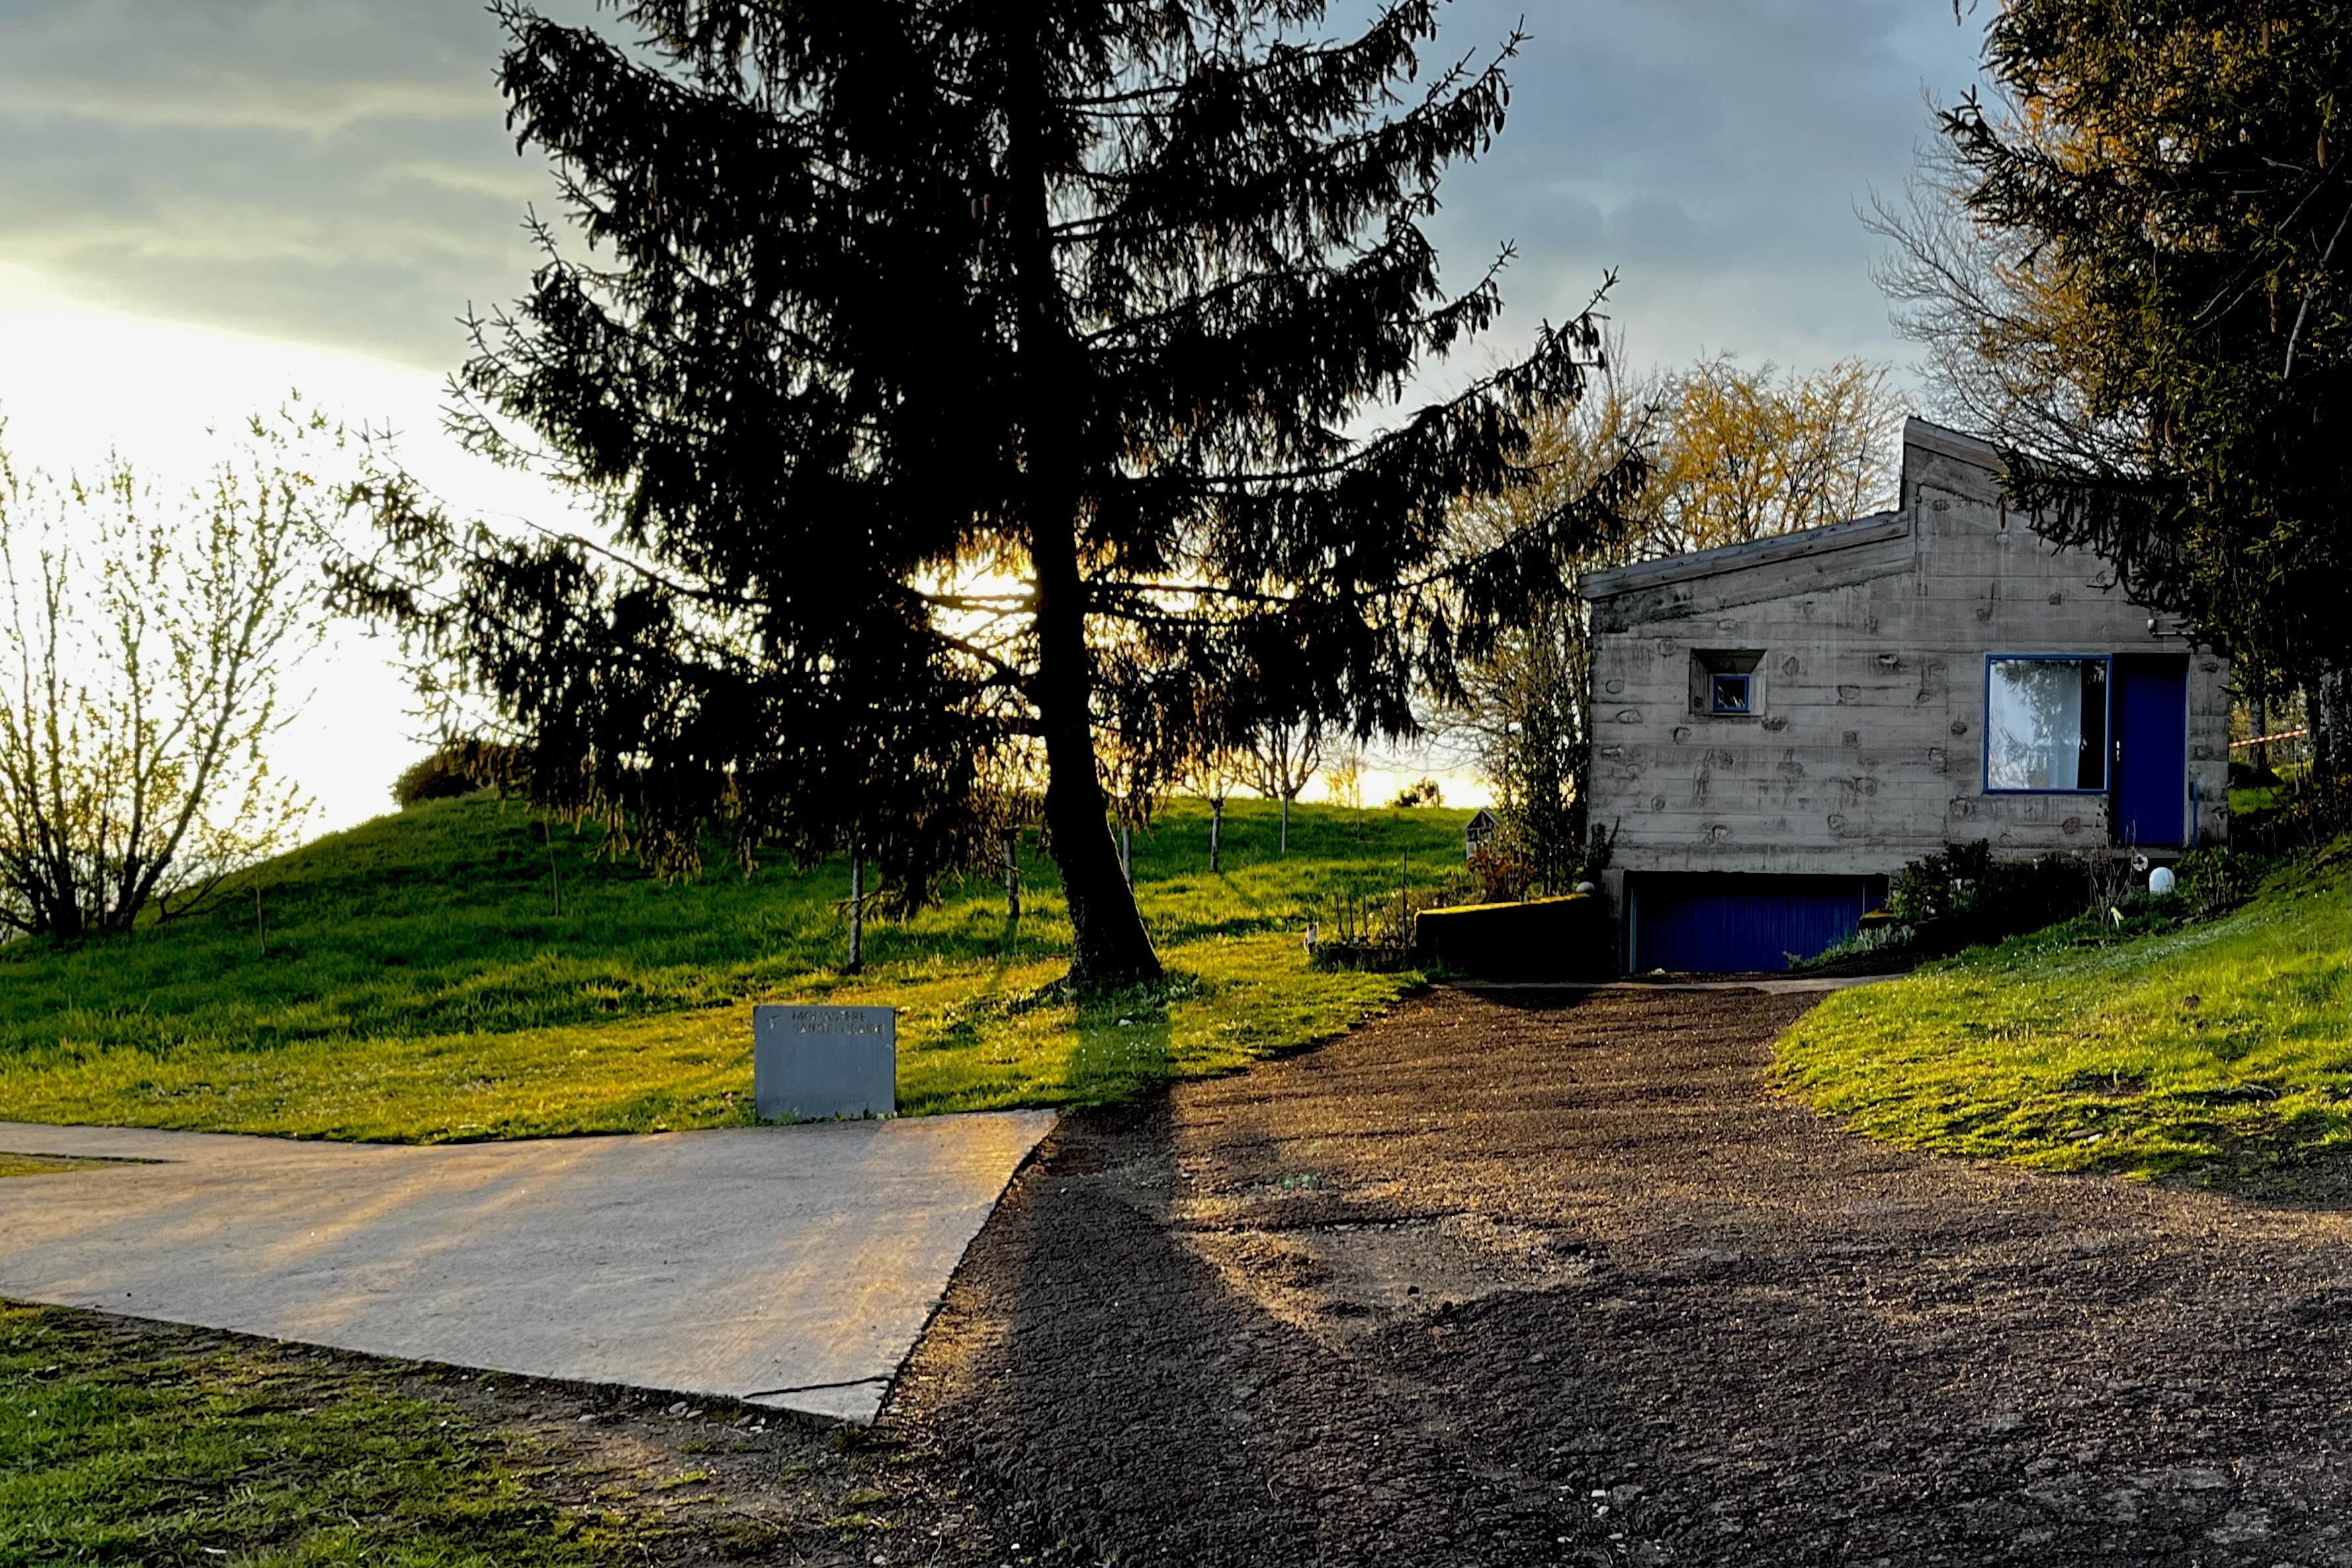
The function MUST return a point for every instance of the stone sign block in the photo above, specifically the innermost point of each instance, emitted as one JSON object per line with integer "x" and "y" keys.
{"x": 811, "y": 1063}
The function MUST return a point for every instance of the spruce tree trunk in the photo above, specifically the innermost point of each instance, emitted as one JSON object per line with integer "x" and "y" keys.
{"x": 1216, "y": 831}
{"x": 1108, "y": 943}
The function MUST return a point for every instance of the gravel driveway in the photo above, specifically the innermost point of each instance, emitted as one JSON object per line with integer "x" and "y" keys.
{"x": 1551, "y": 1277}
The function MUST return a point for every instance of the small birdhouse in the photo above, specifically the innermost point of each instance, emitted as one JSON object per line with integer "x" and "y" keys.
{"x": 1479, "y": 829}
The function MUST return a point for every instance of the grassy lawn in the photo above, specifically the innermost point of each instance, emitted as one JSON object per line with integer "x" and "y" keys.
{"x": 40, "y": 1164}
{"x": 2245, "y": 803}
{"x": 457, "y": 970}
{"x": 131, "y": 1443}
{"x": 2224, "y": 1043}
{"x": 120, "y": 1446}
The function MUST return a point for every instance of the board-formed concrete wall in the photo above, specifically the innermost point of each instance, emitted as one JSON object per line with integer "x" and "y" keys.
{"x": 1864, "y": 746}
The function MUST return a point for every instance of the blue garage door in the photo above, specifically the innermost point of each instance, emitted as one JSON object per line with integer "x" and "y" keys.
{"x": 1722, "y": 924}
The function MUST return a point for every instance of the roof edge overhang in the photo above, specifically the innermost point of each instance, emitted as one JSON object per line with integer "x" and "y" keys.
{"x": 1950, "y": 443}
{"x": 1873, "y": 529}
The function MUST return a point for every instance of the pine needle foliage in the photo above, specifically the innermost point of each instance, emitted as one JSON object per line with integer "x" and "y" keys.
{"x": 2164, "y": 191}
{"x": 971, "y": 386}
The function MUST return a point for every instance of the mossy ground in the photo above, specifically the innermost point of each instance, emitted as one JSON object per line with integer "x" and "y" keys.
{"x": 459, "y": 971}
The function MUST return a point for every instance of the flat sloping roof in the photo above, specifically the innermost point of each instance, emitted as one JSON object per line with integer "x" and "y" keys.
{"x": 1804, "y": 541}
{"x": 1724, "y": 558}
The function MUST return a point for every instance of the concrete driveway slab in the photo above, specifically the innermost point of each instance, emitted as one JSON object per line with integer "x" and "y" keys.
{"x": 791, "y": 1267}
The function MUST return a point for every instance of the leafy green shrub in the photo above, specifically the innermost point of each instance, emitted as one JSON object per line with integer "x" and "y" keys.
{"x": 2023, "y": 897}
{"x": 1923, "y": 889}
{"x": 2215, "y": 880}
{"x": 457, "y": 769}
{"x": 1963, "y": 896}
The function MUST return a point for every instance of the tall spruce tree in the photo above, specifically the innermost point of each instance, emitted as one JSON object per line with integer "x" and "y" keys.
{"x": 963, "y": 377}
{"x": 2153, "y": 266}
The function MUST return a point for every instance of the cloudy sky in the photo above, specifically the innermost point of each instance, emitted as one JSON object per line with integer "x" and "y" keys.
{"x": 204, "y": 203}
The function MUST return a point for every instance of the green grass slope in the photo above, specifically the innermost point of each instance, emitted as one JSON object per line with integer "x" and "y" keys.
{"x": 2223, "y": 1045}
{"x": 459, "y": 971}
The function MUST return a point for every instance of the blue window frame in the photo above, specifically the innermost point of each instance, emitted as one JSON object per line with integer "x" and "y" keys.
{"x": 2047, "y": 718}
{"x": 1727, "y": 694}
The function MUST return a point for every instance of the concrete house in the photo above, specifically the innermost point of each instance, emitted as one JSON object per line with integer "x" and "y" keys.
{"x": 1778, "y": 726}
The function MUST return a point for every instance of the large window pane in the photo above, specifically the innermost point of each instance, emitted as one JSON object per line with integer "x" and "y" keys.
{"x": 2046, "y": 724}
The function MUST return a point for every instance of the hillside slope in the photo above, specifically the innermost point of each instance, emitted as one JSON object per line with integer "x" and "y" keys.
{"x": 2223, "y": 1045}
{"x": 462, "y": 970}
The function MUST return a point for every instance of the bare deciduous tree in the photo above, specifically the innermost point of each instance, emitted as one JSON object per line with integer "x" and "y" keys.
{"x": 1213, "y": 772}
{"x": 143, "y": 678}
{"x": 2002, "y": 330}
{"x": 1343, "y": 780}
{"x": 1285, "y": 757}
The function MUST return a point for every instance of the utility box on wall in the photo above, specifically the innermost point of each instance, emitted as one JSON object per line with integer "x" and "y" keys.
{"x": 810, "y": 1064}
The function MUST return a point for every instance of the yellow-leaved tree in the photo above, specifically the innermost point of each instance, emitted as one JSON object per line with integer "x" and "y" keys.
{"x": 1740, "y": 454}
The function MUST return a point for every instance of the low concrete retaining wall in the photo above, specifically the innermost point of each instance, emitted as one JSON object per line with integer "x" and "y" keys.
{"x": 1570, "y": 938}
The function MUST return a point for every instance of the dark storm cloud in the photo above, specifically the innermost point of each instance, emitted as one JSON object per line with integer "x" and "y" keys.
{"x": 338, "y": 171}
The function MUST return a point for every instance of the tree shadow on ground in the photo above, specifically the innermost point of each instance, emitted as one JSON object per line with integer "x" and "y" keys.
{"x": 1499, "y": 1282}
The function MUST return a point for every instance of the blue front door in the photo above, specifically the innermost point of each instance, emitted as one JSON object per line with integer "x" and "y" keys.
{"x": 2151, "y": 783}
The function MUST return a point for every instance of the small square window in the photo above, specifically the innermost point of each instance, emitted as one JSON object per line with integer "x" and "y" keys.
{"x": 1724, "y": 681}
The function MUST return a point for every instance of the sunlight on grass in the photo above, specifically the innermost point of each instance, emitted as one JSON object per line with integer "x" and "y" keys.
{"x": 153, "y": 1448}
{"x": 1228, "y": 1002}
{"x": 2222, "y": 1041}
{"x": 639, "y": 1074}
{"x": 412, "y": 981}
{"x": 971, "y": 1038}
